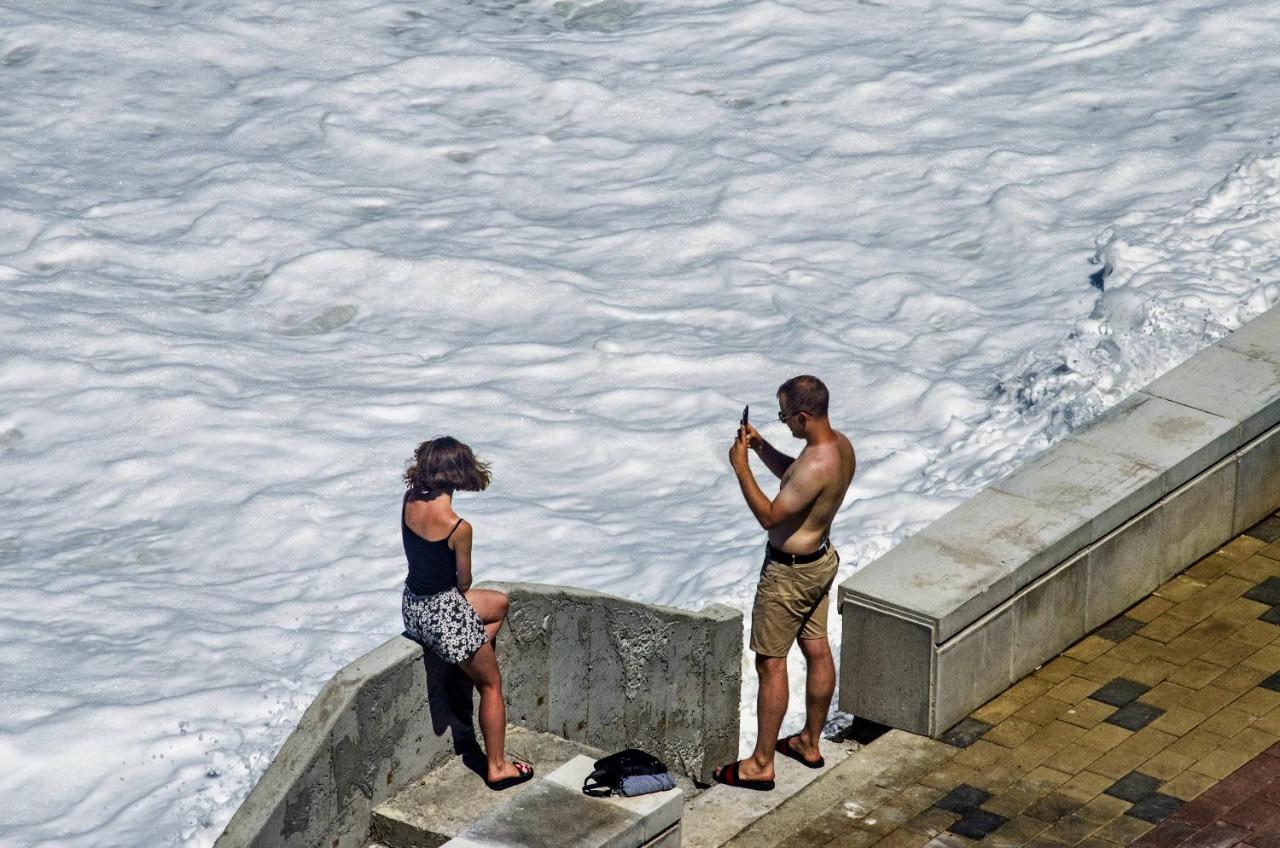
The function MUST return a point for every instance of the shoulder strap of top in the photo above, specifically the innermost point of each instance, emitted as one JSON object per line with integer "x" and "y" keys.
{"x": 455, "y": 527}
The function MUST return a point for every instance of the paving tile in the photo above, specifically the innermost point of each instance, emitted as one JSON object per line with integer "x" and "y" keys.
{"x": 1241, "y": 547}
{"x": 1200, "y": 813}
{"x": 1120, "y": 628}
{"x": 1180, "y": 588}
{"x": 1258, "y": 633}
{"x": 1117, "y": 762}
{"x": 1031, "y": 754}
{"x": 1188, "y": 785}
{"x": 1251, "y": 741}
{"x": 1214, "y": 565}
{"x": 1166, "y": 627}
{"x": 966, "y": 733}
{"x": 1258, "y": 702}
{"x": 950, "y": 840}
{"x": 1104, "y": 808}
{"x": 1103, "y": 737}
{"x": 977, "y": 824}
{"x": 1089, "y": 648}
{"x": 996, "y": 710}
{"x": 1072, "y": 759}
{"x": 1196, "y": 673}
{"x": 1271, "y": 616}
{"x": 1166, "y": 765}
{"x": 1087, "y": 713}
{"x": 1209, "y": 700}
{"x": 1012, "y": 802}
{"x": 931, "y": 822}
{"x": 915, "y": 799}
{"x": 1071, "y": 829}
{"x": 963, "y": 799}
{"x": 1165, "y": 834}
{"x": 1241, "y": 678}
{"x": 1216, "y": 835}
{"x": 1149, "y": 608}
{"x": 1042, "y": 711}
{"x": 1058, "y": 669}
{"x": 1198, "y": 743}
{"x": 1266, "y": 658}
{"x": 1270, "y": 722}
{"x": 1052, "y": 807}
{"x": 897, "y": 839}
{"x": 1178, "y": 721}
{"x": 1123, "y": 830}
{"x": 1227, "y": 721}
{"x": 1154, "y": 808}
{"x": 1118, "y": 692}
{"x": 1135, "y": 649}
{"x": 1256, "y": 568}
{"x": 1017, "y": 831}
{"x": 855, "y": 838}
{"x": 1228, "y": 652}
{"x": 1011, "y": 732}
{"x": 1271, "y": 682}
{"x": 1219, "y": 763}
{"x": 1134, "y": 716}
{"x": 1252, "y": 813}
{"x": 1152, "y": 671}
{"x": 980, "y": 754}
{"x": 1085, "y": 786}
{"x": 1106, "y": 667}
{"x": 1133, "y": 787}
{"x": 1044, "y": 779}
{"x": 948, "y": 776}
{"x": 1168, "y": 694}
{"x": 1241, "y": 611}
{"x": 1266, "y": 592}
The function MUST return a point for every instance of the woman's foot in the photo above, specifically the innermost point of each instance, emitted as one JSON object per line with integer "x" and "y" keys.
{"x": 508, "y": 774}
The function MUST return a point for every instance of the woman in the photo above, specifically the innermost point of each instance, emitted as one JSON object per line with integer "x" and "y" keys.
{"x": 439, "y": 607}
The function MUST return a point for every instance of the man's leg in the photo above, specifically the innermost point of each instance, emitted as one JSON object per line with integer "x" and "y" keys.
{"x": 771, "y": 706}
{"x": 820, "y": 685}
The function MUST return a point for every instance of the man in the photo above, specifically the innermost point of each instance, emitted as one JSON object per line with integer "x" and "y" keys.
{"x": 800, "y": 565}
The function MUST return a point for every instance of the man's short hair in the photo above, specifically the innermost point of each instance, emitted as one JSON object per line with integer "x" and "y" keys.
{"x": 805, "y": 393}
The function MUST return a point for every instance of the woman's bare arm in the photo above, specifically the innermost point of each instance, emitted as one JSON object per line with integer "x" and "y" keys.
{"x": 462, "y": 550}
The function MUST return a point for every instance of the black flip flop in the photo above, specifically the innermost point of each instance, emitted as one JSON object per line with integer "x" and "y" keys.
{"x": 508, "y": 782}
{"x": 784, "y": 748}
{"x": 728, "y": 775}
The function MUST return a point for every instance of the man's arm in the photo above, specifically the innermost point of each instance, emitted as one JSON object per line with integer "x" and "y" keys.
{"x": 776, "y": 461}
{"x": 795, "y": 497}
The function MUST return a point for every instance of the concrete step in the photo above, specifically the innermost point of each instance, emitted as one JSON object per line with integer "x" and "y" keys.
{"x": 722, "y": 812}
{"x": 445, "y": 801}
{"x": 861, "y": 781}
{"x": 553, "y": 813}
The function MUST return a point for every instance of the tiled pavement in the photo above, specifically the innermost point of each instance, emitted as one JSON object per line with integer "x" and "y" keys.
{"x": 1161, "y": 728}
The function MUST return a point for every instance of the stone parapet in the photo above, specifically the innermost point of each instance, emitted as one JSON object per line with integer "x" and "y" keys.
{"x": 979, "y": 598}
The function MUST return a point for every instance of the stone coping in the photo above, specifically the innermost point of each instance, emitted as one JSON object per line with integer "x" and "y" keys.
{"x": 980, "y": 554}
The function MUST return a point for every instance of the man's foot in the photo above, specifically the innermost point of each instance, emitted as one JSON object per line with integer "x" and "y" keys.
{"x": 793, "y": 746}
{"x": 732, "y": 775}
{"x": 509, "y": 774}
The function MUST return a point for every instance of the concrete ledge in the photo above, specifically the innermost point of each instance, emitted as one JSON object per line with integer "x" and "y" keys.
{"x": 976, "y": 600}
{"x": 589, "y": 667}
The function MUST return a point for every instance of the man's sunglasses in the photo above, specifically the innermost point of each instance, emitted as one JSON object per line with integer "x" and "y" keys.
{"x": 783, "y": 418}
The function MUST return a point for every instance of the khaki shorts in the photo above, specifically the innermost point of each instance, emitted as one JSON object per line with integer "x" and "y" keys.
{"x": 792, "y": 601}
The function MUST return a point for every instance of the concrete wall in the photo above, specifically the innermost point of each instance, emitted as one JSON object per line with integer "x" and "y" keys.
{"x": 591, "y": 667}
{"x": 615, "y": 673}
{"x": 976, "y": 600}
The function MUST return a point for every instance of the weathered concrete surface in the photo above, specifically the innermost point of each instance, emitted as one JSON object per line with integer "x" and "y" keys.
{"x": 721, "y": 812}
{"x": 857, "y": 785}
{"x": 368, "y": 732}
{"x": 1154, "y": 484}
{"x": 553, "y": 813}
{"x": 446, "y": 800}
{"x": 616, "y": 673}
{"x": 587, "y": 666}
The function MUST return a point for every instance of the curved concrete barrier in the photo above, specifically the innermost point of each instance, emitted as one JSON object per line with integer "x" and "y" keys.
{"x": 584, "y": 665}
{"x": 961, "y": 610}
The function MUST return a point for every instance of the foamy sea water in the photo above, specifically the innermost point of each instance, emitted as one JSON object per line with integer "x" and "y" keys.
{"x": 252, "y": 252}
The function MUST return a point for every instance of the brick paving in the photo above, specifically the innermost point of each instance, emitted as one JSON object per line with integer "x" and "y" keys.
{"x": 1161, "y": 729}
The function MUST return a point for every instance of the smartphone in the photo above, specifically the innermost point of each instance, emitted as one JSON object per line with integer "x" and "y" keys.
{"x": 745, "y": 410}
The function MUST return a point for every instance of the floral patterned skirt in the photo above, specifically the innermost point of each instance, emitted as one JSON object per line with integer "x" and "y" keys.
{"x": 443, "y": 622}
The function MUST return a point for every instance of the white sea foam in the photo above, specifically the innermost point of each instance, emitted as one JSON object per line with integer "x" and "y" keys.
{"x": 250, "y": 254}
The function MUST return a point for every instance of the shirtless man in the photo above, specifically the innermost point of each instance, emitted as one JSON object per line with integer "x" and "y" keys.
{"x": 799, "y": 567}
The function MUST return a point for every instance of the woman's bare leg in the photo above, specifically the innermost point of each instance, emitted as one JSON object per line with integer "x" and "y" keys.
{"x": 482, "y": 668}
{"x": 491, "y": 606}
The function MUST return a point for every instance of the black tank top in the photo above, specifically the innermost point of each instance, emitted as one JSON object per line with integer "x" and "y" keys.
{"x": 432, "y": 566}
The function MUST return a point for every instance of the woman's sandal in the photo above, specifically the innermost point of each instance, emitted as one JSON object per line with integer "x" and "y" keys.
{"x": 784, "y": 748}
{"x": 526, "y": 774}
{"x": 728, "y": 775}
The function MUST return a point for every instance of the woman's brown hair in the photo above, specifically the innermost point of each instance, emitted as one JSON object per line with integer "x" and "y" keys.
{"x": 445, "y": 464}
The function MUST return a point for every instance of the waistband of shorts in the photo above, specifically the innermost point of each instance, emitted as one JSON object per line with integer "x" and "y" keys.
{"x": 797, "y": 559}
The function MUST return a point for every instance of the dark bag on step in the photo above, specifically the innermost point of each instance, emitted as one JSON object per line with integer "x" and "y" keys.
{"x": 629, "y": 772}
